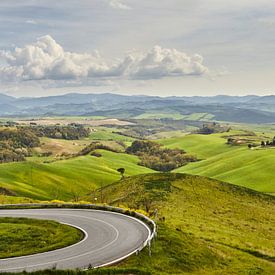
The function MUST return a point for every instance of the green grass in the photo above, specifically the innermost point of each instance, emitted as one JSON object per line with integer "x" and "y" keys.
{"x": 69, "y": 179}
{"x": 234, "y": 164}
{"x": 4, "y": 199}
{"x": 198, "y": 116}
{"x": 210, "y": 227}
{"x": 204, "y": 146}
{"x": 100, "y": 271}
{"x": 167, "y": 134}
{"x": 158, "y": 115}
{"x": 21, "y": 236}
{"x": 103, "y": 133}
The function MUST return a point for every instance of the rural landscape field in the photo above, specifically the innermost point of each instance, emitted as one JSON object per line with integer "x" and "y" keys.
{"x": 137, "y": 137}
{"x": 207, "y": 183}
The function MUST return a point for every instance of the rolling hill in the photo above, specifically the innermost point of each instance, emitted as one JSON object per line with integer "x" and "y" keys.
{"x": 247, "y": 109}
{"x": 204, "y": 226}
{"x": 234, "y": 164}
{"x": 69, "y": 179}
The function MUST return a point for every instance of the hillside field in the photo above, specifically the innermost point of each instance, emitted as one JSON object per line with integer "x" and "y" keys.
{"x": 235, "y": 164}
{"x": 204, "y": 226}
{"x": 66, "y": 179}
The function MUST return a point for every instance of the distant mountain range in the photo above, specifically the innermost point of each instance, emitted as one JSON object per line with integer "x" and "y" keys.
{"x": 248, "y": 109}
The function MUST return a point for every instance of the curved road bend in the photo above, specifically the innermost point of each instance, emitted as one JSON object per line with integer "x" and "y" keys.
{"x": 109, "y": 238}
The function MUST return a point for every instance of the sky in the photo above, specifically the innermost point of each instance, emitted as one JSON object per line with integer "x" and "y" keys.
{"x": 149, "y": 47}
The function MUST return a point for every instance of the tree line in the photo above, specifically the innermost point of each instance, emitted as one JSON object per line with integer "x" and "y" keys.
{"x": 70, "y": 132}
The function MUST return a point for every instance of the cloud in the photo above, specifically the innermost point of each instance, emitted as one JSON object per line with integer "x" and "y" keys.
{"x": 267, "y": 21}
{"x": 118, "y": 4}
{"x": 47, "y": 60}
{"x": 30, "y": 21}
{"x": 160, "y": 62}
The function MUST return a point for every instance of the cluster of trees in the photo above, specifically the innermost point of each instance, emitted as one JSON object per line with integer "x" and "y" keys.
{"x": 96, "y": 145}
{"x": 153, "y": 156}
{"x": 19, "y": 137}
{"x": 15, "y": 144}
{"x": 211, "y": 128}
{"x": 70, "y": 132}
{"x": 268, "y": 143}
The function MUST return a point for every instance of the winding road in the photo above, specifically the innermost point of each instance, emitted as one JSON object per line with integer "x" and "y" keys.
{"x": 109, "y": 238}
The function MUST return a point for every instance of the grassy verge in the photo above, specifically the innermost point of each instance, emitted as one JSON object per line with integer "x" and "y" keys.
{"x": 22, "y": 236}
{"x": 101, "y": 271}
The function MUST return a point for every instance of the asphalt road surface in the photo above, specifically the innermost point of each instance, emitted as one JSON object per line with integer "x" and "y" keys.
{"x": 109, "y": 237}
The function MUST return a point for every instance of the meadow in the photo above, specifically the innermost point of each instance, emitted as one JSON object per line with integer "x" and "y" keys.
{"x": 68, "y": 179}
{"x": 21, "y": 236}
{"x": 49, "y": 178}
{"x": 235, "y": 164}
{"x": 204, "y": 226}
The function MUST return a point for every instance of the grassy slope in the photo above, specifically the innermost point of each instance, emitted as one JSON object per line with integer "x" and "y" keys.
{"x": 104, "y": 133}
{"x": 234, "y": 164}
{"x": 174, "y": 115}
{"x": 210, "y": 227}
{"x": 159, "y": 115}
{"x": 4, "y": 199}
{"x": 58, "y": 146}
{"x": 21, "y": 236}
{"x": 68, "y": 178}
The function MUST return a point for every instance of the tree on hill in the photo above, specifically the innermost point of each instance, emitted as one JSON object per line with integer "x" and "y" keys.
{"x": 211, "y": 128}
{"x": 121, "y": 171}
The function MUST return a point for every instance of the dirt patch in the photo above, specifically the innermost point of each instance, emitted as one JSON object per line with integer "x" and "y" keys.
{"x": 88, "y": 122}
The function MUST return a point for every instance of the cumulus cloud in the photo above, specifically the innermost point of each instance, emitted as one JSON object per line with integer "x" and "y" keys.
{"x": 47, "y": 60}
{"x": 118, "y": 4}
{"x": 160, "y": 62}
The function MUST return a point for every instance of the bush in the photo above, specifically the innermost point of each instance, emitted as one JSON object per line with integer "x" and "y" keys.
{"x": 96, "y": 154}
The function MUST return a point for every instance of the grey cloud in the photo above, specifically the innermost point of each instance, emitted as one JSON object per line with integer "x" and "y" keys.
{"x": 118, "y": 4}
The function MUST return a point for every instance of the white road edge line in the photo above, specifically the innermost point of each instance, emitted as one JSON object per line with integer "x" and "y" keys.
{"x": 65, "y": 259}
{"x": 145, "y": 243}
{"x": 28, "y": 256}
